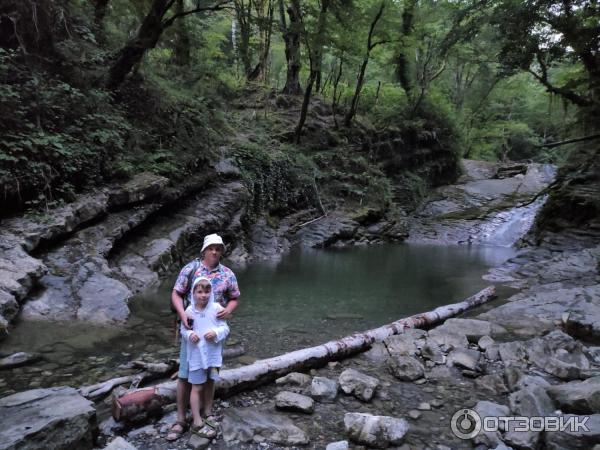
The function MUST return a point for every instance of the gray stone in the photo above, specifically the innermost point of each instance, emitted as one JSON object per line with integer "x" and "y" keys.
{"x": 492, "y": 383}
{"x": 405, "y": 344}
{"x": 198, "y": 442}
{"x": 576, "y": 439}
{"x": 119, "y": 443}
{"x": 47, "y": 418}
{"x": 18, "y": 359}
{"x": 406, "y": 368}
{"x": 537, "y": 311}
{"x": 513, "y": 353}
{"x": 577, "y": 397}
{"x": 360, "y": 385}
{"x": 339, "y": 445}
{"x": 290, "y": 401}
{"x": 465, "y": 358}
{"x": 474, "y": 329}
{"x": 414, "y": 414}
{"x": 294, "y": 379}
{"x": 375, "y": 431}
{"x": 432, "y": 352}
{"x": 323, "y": 389}
{"x": 244, "y": 424}
{"x": 489, "y": 409}
{"x": 103, "y": 300}
{"x": 531, "y": 401}
{"x": 523, "y": 440}
{"x": 485, "y": 342}
{"x": 492, "y": 353}
{"x": 424, "y": 406}
{"x": 447, "y": 338}
{"x": 142, "y": 186}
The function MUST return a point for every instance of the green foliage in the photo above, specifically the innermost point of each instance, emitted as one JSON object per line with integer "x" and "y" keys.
{"x": 278, "y": 180}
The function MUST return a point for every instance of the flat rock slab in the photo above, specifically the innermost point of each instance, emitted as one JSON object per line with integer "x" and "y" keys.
{"x": 18, "y": 359}
{"x": 360, "y": 385}
{"x": 53, "y": 418}
{"x": 254, "y": 425}
{"x": 290, "y": 401}
{"x": 474, "y": 329}
{"x": 375, "y": 431}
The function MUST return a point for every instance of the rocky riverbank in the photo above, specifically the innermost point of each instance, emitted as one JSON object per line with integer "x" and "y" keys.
{"x": 536, "y": 354}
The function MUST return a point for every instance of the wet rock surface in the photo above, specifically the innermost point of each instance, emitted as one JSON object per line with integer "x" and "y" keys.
{"x": 480, "y": 207}
{"x": 47, "y": 418}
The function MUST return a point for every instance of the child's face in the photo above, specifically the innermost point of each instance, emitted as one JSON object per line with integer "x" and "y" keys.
{"x": 202, "y": 294}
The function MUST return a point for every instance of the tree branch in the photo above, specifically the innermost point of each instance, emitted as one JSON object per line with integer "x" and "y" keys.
{"x": 217, "y": 7}
{"x": 569, "y": 141}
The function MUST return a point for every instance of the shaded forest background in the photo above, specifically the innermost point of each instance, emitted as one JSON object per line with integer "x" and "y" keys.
{"x": 94, "y": 91}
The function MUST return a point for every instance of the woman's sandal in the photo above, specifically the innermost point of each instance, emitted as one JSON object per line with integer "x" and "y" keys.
{"x": 176, "y": 431}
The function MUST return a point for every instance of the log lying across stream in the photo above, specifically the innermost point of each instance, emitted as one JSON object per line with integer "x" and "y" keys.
{"x": 134, "y": 405}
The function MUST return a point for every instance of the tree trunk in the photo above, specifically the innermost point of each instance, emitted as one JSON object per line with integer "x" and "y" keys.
{"x": 336, "y": 98}
{"x": 361, "y": 75}
{"x": 316, "y": 57}
{"x": 146, "y": 38}
{"x": 403, "y": 71}
{"x": 100, "y": 7}
{"x": 138, "y": 404}
{"x": 291, "y": 37}
{"x": 181, "y": 52}
{"x": 243, "y": 14}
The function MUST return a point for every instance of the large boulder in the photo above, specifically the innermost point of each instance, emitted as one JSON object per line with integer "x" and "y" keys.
{"x": 375, "y": 431}
{"x": 577, "y": 397}
{"x": 254, "y": 425}
{"x": 358, "y": 384}
{"x": 582, "y": 435}
{"x": 53, "y": 418}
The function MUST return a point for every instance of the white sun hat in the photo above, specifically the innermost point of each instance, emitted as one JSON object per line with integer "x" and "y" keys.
{"x": 212, "y": 239}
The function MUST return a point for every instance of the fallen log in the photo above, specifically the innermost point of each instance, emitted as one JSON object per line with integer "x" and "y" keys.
{"x": 132, "y": 405}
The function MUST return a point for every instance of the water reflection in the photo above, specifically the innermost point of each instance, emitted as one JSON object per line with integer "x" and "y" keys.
{"x": 307, "y": 298}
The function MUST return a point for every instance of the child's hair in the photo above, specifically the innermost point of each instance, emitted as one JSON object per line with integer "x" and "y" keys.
{"x": 205, "y": 284}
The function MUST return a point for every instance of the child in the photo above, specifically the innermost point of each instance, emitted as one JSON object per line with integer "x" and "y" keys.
{"x": 204, "y": 353}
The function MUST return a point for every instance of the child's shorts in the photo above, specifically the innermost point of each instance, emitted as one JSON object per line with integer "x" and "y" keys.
{"x": 201, "y": 375}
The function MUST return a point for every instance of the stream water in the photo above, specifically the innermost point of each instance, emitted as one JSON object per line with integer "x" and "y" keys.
{"x": 305, "y": 299}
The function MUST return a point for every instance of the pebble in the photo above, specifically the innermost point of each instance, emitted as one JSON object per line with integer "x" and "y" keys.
{"x": 414, "y": 414}
{"x": 437, "y": 403}
{"x": 424, "y": 406}
{"x": 421, "y": 381}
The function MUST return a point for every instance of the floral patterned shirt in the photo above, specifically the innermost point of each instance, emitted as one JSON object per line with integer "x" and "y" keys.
{"x": 223, "y": 281}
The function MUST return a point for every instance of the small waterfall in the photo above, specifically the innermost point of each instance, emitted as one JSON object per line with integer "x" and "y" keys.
{"x": 507, "y": 227}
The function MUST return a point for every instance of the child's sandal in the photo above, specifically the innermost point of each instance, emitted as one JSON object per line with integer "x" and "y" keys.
{"x": 208, "y": 430}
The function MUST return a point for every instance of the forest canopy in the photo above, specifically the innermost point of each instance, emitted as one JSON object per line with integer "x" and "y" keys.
{"x": 96, "y": 89}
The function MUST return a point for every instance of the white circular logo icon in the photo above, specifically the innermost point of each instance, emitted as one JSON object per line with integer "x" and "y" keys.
{"x": 465, "y": 424}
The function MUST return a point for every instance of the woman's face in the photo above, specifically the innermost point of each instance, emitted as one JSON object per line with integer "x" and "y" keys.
{"x": 202, "y": 294}
{"x": 212, "y": 255}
